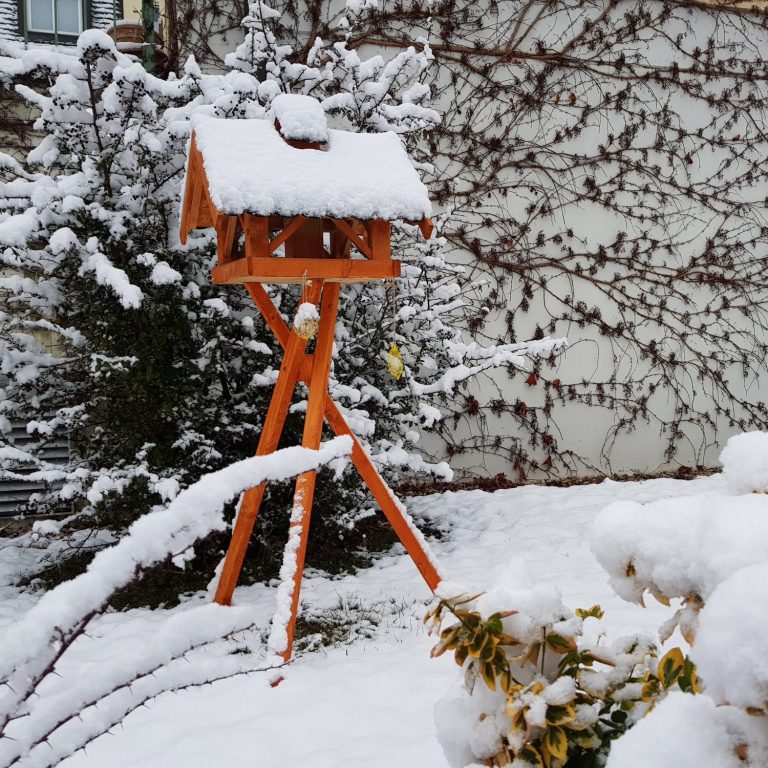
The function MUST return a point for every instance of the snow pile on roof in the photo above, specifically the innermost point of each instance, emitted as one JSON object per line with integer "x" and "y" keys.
{"x": 250, "y": 168}
{"x": 745, "y": 462}
{"x": 301, "y": 118}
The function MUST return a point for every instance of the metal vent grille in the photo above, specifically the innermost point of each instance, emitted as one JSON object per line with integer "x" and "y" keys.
{"x": 14, "y": 493}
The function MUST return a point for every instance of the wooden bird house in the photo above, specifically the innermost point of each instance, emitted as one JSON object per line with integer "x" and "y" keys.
{"x": 293, "y": 201}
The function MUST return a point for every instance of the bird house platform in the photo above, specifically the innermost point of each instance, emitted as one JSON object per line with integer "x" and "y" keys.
{"x": 292, "y": 200}
{"x": 295, "y": 202}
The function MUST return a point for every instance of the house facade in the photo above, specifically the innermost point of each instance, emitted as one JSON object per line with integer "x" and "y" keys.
{"x": 55, "y": 21}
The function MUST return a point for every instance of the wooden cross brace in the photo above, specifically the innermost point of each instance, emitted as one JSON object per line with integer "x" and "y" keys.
{"x": 313, "y": 370}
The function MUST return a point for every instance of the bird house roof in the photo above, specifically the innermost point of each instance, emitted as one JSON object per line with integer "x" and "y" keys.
{"x": 251, "y": 168}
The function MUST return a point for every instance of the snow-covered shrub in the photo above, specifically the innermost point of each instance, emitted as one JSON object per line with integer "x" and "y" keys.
{"x": 680, "y": 548}
{"x": 745, "y": 462}
{"x": 711, "y": 551}
{"x": 111, "y": 334}
{"x": 692, "y": 732}
{"x": 535, "y": 690}
{"x": 731, "y": 646}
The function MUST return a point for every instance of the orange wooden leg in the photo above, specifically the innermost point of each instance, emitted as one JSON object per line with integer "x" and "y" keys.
{"x": 281, "y": 640}
{"x": 410, "y": 536}
{"x": 268, "y": 442}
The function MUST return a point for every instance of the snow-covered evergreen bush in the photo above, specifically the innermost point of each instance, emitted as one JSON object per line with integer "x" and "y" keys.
{"x": 710, "y": 552}
{"x": 112, "y": 334}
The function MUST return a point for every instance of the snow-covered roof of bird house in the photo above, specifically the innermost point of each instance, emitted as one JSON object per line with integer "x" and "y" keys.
{"x": 324, "y": 191}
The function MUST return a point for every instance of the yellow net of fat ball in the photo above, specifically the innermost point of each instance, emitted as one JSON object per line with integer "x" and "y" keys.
{"x": 395, "y": 362}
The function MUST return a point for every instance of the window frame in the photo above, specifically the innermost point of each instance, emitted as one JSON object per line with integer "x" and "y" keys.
{"x": 84, "y": 17}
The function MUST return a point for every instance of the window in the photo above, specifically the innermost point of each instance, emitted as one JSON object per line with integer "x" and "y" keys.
{"x": 54, "y": 17}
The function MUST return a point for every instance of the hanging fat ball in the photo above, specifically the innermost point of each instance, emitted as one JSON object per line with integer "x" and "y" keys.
{"x": 395, "y": 362}
{"x": 307, "y": 321}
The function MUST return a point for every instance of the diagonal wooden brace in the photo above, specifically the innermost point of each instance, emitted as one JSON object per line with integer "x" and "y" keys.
{"x": 298, "y": 534}
{"x": 314, "y": 371}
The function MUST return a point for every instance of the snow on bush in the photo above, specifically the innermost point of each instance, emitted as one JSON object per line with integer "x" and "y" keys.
{"x": 534, "y": 689}
{"x": 731, "y": 648}
{"x": 745, "y": 462}
{"x": 691, "y": 732}
{"x": 44, "y": 718}
{"x": 680, "y": 548}
{"x": 112, "y": 335}
{"x": 711, "y": 551}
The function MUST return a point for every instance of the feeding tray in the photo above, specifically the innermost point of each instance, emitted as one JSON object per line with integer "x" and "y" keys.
{"x": 293, "y": 200}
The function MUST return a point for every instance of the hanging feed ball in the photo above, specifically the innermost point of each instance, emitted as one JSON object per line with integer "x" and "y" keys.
{"x": 395, "y": 362}
{"x": 307, "y": 321}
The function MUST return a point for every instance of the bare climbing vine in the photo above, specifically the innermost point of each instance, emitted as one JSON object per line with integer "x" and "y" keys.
{"x": 604, "y": 165}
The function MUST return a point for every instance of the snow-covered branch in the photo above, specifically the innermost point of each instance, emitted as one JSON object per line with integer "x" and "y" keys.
{"x": 32, "y": 648}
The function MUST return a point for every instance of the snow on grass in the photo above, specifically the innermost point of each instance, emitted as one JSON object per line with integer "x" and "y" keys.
{"x": 370, "y": 703}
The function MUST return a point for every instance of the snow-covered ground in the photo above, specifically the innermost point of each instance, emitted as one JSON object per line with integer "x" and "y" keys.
{"x": 369, "y": 702}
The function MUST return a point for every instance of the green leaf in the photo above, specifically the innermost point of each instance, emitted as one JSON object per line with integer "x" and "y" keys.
{"x": 478, "y": 643}
{"x": 506, "y": 680}
{"x": 560, "y": 644}
{"x": 488, "y": 673}
{"x": 489, "y": 650}
{"x": 670, "y": 667}
{"x": 595, "y": 612}
{"x": 530, "y": 754}
{"x": 559, "y": 714}
{"x": 689, "y": 678}
{"x": 556, "y": 742}
{"x": 494, "y": 624}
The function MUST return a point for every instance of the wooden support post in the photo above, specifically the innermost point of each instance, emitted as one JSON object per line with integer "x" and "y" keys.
{"x": 256, "y": 229}
{"x": 268, "y": 442}
{"x": 379, "y": 234}
{"x": 313, "y": 370}
{"x": 226, "y": 234}
{"x": 390, "y": 506}
{"x": 313, "y": 428}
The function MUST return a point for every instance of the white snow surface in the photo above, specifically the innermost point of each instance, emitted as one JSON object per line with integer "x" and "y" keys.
{"x": 731, "y": 649}
{"x": 745, "y": 462}
{"x": 250, "y": 168}
{"x": 301, "y": 117}
{"x": 370, "y": 702}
